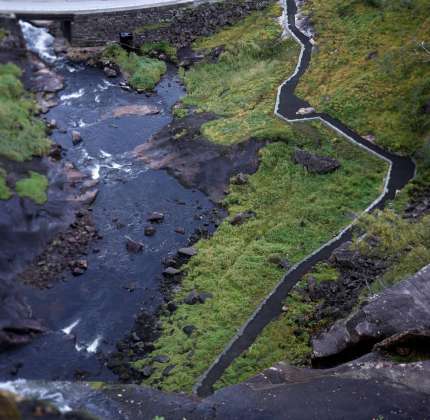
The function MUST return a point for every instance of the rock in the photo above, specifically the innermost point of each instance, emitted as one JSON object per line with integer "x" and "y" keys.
{"x": 156, "y": 217}
{"x": 370, "y": 137}
{"x": 134, "y": 247}
{"x": 240, "y": 179}
{"x": 398, "y": 309}
{"x": 76, "y": 137}
{"x": 187, "y": 252}
{"x": 161, "y": 359}
{"x": 171, "y": 271}
{"x": 204, "y": 296}
{"x": 150, "y": 231}
{"x": 87, "y": 197}
{"x": 110, "y": 72}
{"x": 78, "y": 267}
{"x": 56, "y": 151}
{"x": 314, "y": 163}
{"x": 242, "y": 217}
{"x": 305, "y": 111}
{"x": 192, "y": 298}
{"x": 180, "y": 230}
{"x": 188, "y": 329}
{"x": 406, "y": 343}
{"x": 52, "y": 124}
{"x": 172, "y": 306}
{"x": 372, "y": 55}
{"x": 140, "y": 110}
{"x": 147, "y": 371}
{"x": 168, "y": 370}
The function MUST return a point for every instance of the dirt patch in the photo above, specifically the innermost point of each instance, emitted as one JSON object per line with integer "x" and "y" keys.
{"x": 182, "y": 150}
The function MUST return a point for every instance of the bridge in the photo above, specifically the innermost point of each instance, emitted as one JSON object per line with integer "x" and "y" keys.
{"x": 95, "y": 22}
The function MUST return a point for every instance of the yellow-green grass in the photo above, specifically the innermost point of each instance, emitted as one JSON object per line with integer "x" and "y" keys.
{"x": 142, "y": 73}
{"x": 370, "y": 68}
{"x": 296, "y": 213}
{"x": 34, "y": 187}
{"x": 241, "y": 87}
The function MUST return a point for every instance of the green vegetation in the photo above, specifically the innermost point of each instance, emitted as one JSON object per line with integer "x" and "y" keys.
{"x": 143, "y": 73}
{"x": 155, "y": 48}
{"x": 296, "y": 213}
{"x": 22, "y": 134}
{"x": 371, "y": 68}
{"x": 405, "y": 244}
{"x": 152, "y": 27}
{"x": 241, "y": 87}
{"x": 34, "y": 187}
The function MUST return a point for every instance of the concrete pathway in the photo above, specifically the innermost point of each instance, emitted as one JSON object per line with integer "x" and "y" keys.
{"x": 53, "y": 7}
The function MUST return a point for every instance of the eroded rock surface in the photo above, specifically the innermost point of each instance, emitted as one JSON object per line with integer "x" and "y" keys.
{"x": 402, "y": 307}
{"x": 196, "y": 162}
{"x": 314, "y": 163}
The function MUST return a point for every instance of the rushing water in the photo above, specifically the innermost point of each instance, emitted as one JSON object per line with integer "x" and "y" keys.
{"x": 87, "y": 315}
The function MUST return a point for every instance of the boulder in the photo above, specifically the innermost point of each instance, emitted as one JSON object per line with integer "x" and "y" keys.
{"x": 188, "y": 329}
{"x": 150, "y": 231}
{"x": 242, "y": 217}
{"x": 398, "y": 309}
{"x": 134, "y": 247}
{"x": 171, "y": 271}
{"x": 78, "y": 267}
{"x": 305, "y": 111}
{"x": 110, "y": 72}
{"x": 187, "y": 252}
{"x": 240, "y": 179}
{"x": 156, "y": 217}
{"x": 314, "y": 163}
{"x": 76, "y": 137}
{"x": 192, "y": 298}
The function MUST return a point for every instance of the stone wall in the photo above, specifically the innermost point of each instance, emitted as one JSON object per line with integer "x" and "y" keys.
{"x": 179, "y": 24}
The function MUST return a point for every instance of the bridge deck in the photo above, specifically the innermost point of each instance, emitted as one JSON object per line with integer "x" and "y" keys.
{"x": 73, "y": 7}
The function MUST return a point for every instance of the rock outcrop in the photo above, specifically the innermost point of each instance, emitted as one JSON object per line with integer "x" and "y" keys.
{"x": 400, "y": 308}
{"x": 314, "y": 163}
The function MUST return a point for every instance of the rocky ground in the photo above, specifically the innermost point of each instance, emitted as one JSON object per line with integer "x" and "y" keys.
{"x": 196, "y": 162}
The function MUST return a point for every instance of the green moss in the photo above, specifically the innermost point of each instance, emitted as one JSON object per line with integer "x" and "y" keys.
{"x": 296, "y": 213}
{"x": 22, "y": 135}
{"x": 151, "y": 48}
{"x": 35, "y": 187}
{"x": 143, "y": 73}
{"x": 241, "y": 88}
{"x": 370, "y": 69}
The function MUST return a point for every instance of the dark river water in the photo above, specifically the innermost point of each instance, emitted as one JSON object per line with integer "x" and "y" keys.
{"x": 88, "y": 314}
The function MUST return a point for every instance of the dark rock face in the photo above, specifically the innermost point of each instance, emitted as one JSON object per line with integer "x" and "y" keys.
{"x": 196, "y": 162}
{"x": 314, "y": 163}
{"x": 403, "y": 307}
{"x": 134, "y": 247}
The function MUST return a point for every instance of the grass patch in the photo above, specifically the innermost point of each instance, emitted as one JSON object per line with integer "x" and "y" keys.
{"x": 296, "y": 213}
{"x": 152, "y": 27}
{"x": 155, "y": 48}
{"x": 142, "y": 73}
{"x": 34, "y": 187}
{"x": 241, "y": 87}
{"x": 22, "y": 135}
{"x": 371, "y": 69}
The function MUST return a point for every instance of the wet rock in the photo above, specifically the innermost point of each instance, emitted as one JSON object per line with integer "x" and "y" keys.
{"x": 76, "y": 137}
{"x": 150, "y": 231}
{"x": 156, "y": 217}
{"x": 87, "y": 198}
{"x": 168, "y": 370}
{"x": 180, "y": 230}
{"x": 171, "y": 271}
{"x": 161, "y": 359}
{"x": 187, "y": 252}
{"x": 78, "y": 267}
{"x": 134, "y": 247}
{"x": 192, "y": 298}
{"x": 52, "y": 124}
{"x": 305, "y": 111}
{"x": 314, "y": 163}
{"x": 402, "y": 307}
{"x": 140, "y": 110}
{"x": 188, "y": 329}
{"x": 147, "y": 371}
{"x": 240, "y": 179}
{"x": 56, "y": 151}
{"x": 110, "y": 72}
{"x": 242, "y": 217}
